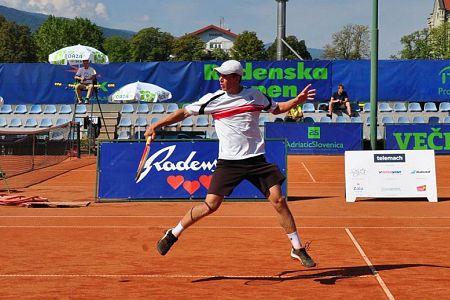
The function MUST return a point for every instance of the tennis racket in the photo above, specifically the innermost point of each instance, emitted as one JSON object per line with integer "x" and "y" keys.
{"x": 143, "y": 158}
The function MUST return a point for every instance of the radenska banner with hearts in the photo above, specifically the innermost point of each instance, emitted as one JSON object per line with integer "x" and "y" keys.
{"x": 174, "y": 170}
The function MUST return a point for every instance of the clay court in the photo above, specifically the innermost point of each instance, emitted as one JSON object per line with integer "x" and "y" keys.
{"x": 371, "y": 249}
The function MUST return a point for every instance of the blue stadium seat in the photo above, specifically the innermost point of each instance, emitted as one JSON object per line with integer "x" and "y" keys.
{"x": 31, "y": 123}
{"x": 6, "y": 109}
{"x": 45, "y": 123}
{"x": 124, "y": 122}
{"x": 140, "y": 122}
{"x": 262, "y": 120}
{"x": 308, "y": 107}
{"x": 430, "y": 107}
{"x": 400, "y": 107}
{"x": 418, "y": 120}
{"x": 15, "y": 123}
{"x": 387, "y": 120}
{"x": 367, "y": 121}
{"x": 61, "y": 121}
{"x": 124, "y": 135}
{"x": 81, "y": 109}
{"x": 157, "y": 108}
{"x": 154, "y": 119}
{"x": 65, "y": 109}
{"x": 201, "y": 121}
{"x": 444, "y": 106}
{"x": 414, "y": 107}
{"x": 142, "y": 108}
{"x": 50, "y": 109}
{"x": 366, "y": 107}
{"x": 446, "y": 120}
{"x": 433, "y": 120}
{"x": 171, "y": 107}
{"x": 127, "y": 108}
{"x": 322, "y": 107}
{"x": 20, "y": 109}
{"x": 325, "y": 119}
{"x": 3, "y": 122}
{"x": 188, "y": 122}
{"x": 356, "y": 119}
{"x": 309, "y": 120}
{"x": 355, "y": 107}
{"x": 35, "y": 109}
{"x": 384, "y": 107}
{"x": 341, "y": 119}
{"x": 403, "y": 120}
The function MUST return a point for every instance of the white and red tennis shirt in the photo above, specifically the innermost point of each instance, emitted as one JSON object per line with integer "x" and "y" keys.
{"x": 236, "y": 118}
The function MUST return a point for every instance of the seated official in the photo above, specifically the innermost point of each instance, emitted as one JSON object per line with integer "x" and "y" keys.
{"x": 85, "y": 76}
{"x": 339, "y": 100}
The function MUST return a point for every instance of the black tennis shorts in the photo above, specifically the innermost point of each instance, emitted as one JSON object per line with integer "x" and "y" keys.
{"x": 230, "y": 173}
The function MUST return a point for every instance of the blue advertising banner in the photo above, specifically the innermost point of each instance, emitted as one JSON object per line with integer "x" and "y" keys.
{"x": 415, "y": 80}
{"x": 173, "y": 170}
{"x": 418, "y": 137}
{"x": 318, "y": 138}
{"x": 187, "y": 81}
{"x": 411, "y": 80}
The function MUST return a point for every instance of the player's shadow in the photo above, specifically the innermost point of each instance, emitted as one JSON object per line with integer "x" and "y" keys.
{"x": 323, "y": 276}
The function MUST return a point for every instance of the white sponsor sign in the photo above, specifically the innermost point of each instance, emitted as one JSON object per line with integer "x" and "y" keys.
{"x": 390, "y": 174}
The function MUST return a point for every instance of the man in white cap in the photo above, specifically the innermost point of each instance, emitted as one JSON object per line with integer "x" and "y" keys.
{"x": 85, "y": 76}
{"x": 236, "y": 111}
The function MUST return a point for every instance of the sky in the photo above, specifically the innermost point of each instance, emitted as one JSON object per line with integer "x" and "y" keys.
{"x": 311, "y": 20}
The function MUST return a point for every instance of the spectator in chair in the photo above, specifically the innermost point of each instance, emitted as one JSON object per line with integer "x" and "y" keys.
{"x": 295, "y": 114}
{"x": 339, "y": 100}
{"x": 85, "y": 77}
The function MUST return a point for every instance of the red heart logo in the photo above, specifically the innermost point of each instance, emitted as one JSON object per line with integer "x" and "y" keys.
{"x": 191, "y": 186}
{"x": 175, "y": 181}
{"x": 205, "y": 180}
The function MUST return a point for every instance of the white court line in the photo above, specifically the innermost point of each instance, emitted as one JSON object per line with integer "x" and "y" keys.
{"x": 309, "y": 173}
{"x": 220, "y": 227}
{"x": 163, "y": 276}
{"x": 372, "y": 268}
{"x": 231, "y": 217}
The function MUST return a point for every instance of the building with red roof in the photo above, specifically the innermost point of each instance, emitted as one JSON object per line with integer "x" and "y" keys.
{"x": 216, "y": 37}
{"x": 440, "y": 14}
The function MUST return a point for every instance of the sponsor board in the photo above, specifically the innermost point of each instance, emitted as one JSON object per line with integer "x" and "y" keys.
{"x": 173, "y": 170}
{"x": 390, "y": 174}
{"x": 319, "y": 138}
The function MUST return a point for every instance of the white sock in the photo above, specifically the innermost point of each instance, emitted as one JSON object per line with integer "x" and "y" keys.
{"x": 295, "y": 240}
{"x": 177, "y": 230}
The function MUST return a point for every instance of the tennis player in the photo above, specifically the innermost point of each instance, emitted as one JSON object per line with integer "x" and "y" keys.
{"x": 236, "y": 111}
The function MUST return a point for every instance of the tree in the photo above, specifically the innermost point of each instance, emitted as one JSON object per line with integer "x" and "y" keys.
{"x": 56, "y": 33}
{"x": 117, "y": 49}
{"x": 415, "y": 45}
{"x": 16, "y": 43}
{"x": 298, "y": 46}
{"x": 188, "y": 48}
{"x": 439, "y": 42}
{"x": 247, "y": 46}
{"x": 217, "y": 54}
{"x": 352, "y": 42}
{"x": 150, "y": 44}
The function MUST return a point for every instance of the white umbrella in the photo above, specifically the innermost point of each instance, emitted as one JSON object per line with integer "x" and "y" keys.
{"x": 74, "y": 55}
{"x": 140, "y": 92}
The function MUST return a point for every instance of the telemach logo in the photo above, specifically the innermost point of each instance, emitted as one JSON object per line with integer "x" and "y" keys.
{"x": 386, "y": 158}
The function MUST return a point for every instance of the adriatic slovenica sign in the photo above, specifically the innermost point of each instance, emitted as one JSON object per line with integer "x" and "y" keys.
{"x": 318, "y": 138}
{"x": 419, "y": 137}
